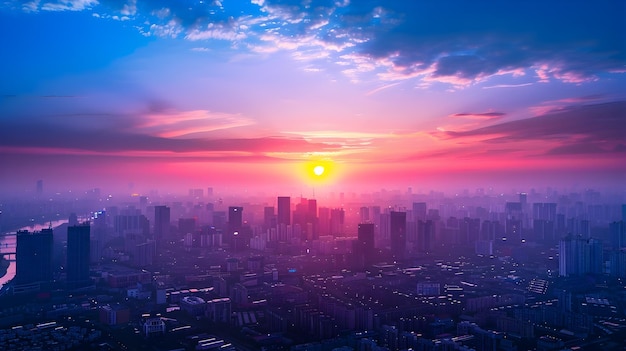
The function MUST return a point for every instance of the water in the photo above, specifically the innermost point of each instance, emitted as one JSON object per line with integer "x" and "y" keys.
{"x": 8, "y": 242}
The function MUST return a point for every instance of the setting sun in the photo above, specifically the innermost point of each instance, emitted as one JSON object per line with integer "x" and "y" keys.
{"x": 318, "y": 170}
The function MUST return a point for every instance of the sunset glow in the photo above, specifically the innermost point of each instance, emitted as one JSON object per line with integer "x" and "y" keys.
{"x": 394, "y": 92}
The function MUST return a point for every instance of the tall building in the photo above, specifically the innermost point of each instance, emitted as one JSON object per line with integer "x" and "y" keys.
{"x": 269, "y": 217}
{"x": 311, "y": 217}
{"x": 78, "y": 250}
{"x": 284, "y": 210}
{"x": 235, "y": 224}
{"x": 235, "y": 218}
{"x": 579, "y": 256}
{"x": 33, "y": 256}
{"x": 425, "y": 235}
{"x": 397, "y": 233}
{"x": 337, "y": 219}
{"x": 365, "y": 244}
{"x": 161, "y": 222}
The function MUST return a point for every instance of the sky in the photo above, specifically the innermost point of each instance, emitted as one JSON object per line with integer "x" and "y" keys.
{"x": 254, "y": 94}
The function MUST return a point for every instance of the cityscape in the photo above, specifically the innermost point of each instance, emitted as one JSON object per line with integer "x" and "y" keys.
{"x": 312, "y": 175}
{"x": 387, "y": 270}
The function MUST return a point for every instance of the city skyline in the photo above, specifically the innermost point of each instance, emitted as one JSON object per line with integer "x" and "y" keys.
{"x": 166, "y": 94}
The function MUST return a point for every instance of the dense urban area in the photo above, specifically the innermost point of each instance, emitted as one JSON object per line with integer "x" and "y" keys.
{"x": 387, "y": 270}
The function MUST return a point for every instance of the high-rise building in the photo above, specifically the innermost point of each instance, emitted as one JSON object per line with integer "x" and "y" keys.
{"x": 161, "y": 222}
{"x": 235, "y": 225}
{"x": 269, "y": 217}
{"x": 33, "y": 256}
{"x": 364, "y": 214}
{"x": 284, "y": 210}
{"x": 579, "y": 256}
{"x": 397, "y": 233}
{"x": 425, "y": 235}
{"x": 365, "y": 250}
{"x": 131, "y": 220}
{"x": 235, "y": 218}
{"x": 337, "y": 218}
{"x": 78, "y": 250}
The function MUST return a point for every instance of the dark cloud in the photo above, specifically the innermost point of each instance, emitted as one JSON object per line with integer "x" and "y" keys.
{"x": 484, "y": 115}
{"x": 580, "y": 129}
{"x": 109, "y": 140}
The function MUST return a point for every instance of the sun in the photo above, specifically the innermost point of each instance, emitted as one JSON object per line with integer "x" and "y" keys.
{"x": 318, "y": 170}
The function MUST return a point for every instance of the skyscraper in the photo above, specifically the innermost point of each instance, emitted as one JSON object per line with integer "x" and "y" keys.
{"x": 235, "y": 224}
{"x": 397, "y": 233}
{"x": 365, "y": 251}
{"x": 78, "y": 255}
{"x": 33, "y": 256}
{"x": 269, "y": 217}
{"x": 284, "y": 210}
{"x": 161, "y": 222}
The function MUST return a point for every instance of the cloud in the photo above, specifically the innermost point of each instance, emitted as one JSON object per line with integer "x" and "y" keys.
{"x": 480, "y": 116}
{"x": 379, "y": 89}
{"x": 159, "y": 131}
{"x": 399, "y": 40}
{"x": 508, "y": 86}
{"x": 576, "y": 130}
{"x": 63, "y": 5}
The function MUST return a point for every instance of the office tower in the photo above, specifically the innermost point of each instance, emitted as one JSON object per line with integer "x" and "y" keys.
{"x": 161, "y": 222}
{"x": 131, "y": 220}
{"x": 468, "y": 230}
{"x": 545, "y": 211}
{"x": 78, "y": 255}
{"x": 324, "y": 221}
{"x": 235, "y": 224}
{"x": 284, "y": 210}
{"x": 397, "y": 233}
{"x": 579, "y": 256}
{"x": 365, "y": 251}
{"x": 235, "y": 218}
{"x": 72, "y": 220}
{"x": 337, "y": 218}
{"x": 364, "y": 214}
{"x": 311, "y": 217}
{"x": 425, "y": 235}
{"x": 33, "y": 256}
{"x": 300, "y": 216}
{"x": 269, "y": 217}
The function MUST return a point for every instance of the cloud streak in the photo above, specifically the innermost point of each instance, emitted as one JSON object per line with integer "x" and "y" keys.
{"x": 598, "y": 128}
